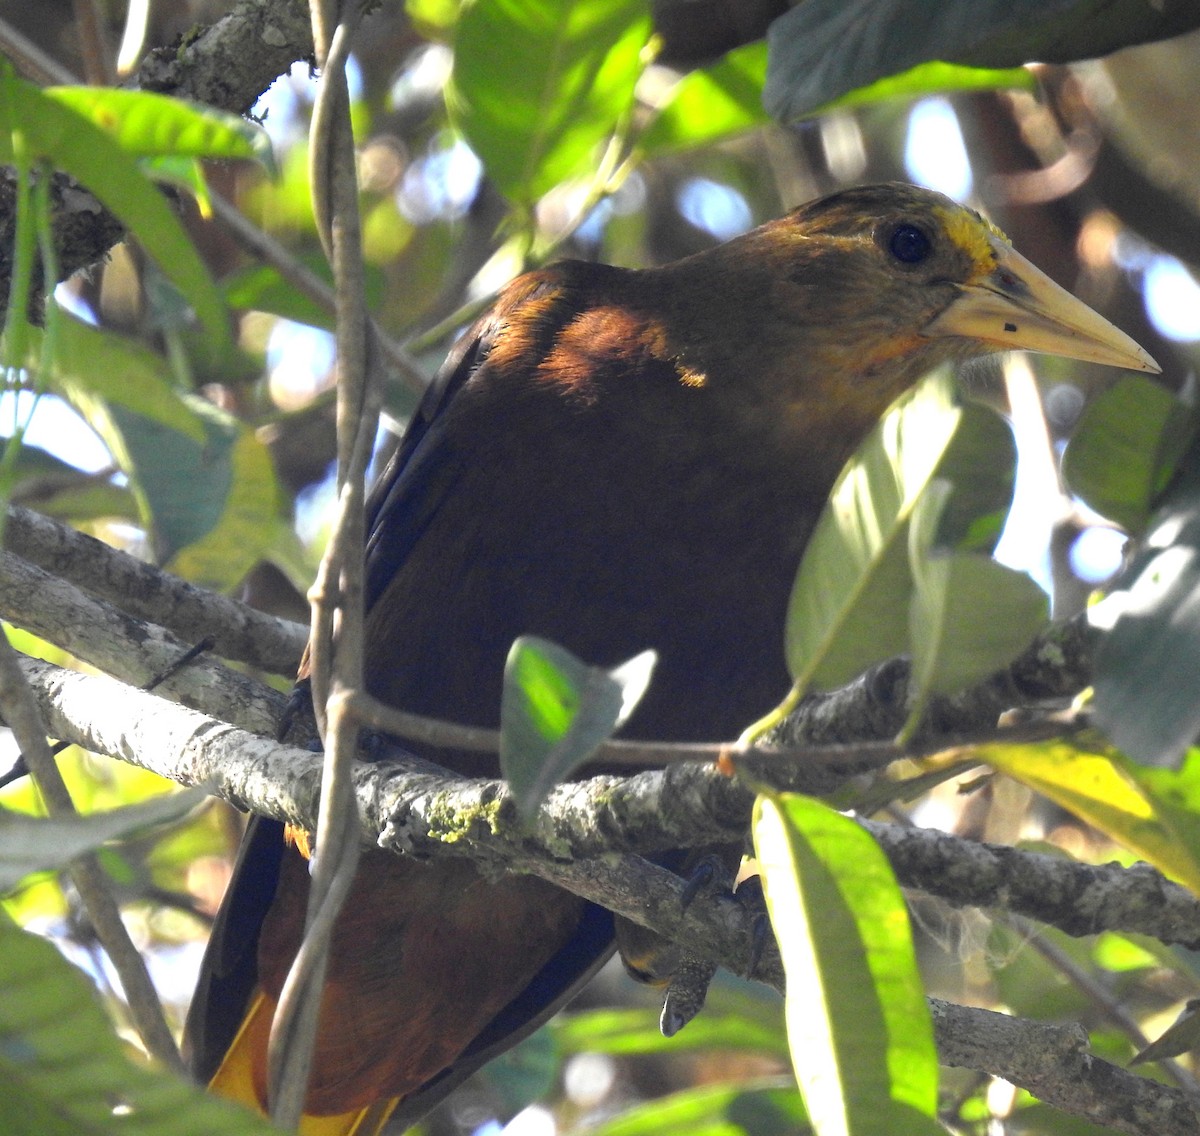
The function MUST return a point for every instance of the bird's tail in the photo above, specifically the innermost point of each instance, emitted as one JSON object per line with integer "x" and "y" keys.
{"x": 242, "y": 1077}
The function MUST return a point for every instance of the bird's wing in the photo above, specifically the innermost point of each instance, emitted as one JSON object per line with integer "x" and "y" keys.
{"x": 405, "y": 499}
{"x": 554, "y": 987}
{"x": 229, "y": 971}
{"x": 422, "y": 470}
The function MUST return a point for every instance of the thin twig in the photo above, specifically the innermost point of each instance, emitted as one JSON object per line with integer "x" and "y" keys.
{"x": 263, "y": 246}
{"x": 334, "y": 189}
{"x": 30, "y": 59}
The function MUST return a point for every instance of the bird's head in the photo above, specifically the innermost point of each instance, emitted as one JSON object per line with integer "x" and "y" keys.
{"x": 869, "y": 289}
{"x": 816, "y": 322}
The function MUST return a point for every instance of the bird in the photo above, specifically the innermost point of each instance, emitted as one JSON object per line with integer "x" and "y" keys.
{"x": 613, "y": 459}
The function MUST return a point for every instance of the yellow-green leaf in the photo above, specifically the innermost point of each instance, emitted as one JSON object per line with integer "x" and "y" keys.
{"x": 858, "y": 1025}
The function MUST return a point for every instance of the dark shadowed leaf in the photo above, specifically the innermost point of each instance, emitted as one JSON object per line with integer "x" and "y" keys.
{"x": 822, "y": 49}
{"x": 1124, "y": 447}
{"x": 969, "y": 615}
{"x": 980, "y": 463}
{"x": 1147, "y": 684}
{"x": 262, "y": 288}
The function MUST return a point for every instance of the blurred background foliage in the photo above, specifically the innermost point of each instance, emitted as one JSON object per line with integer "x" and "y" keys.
{"x": 495, "y": 135}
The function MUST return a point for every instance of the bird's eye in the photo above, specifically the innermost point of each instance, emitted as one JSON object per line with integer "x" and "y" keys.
{"x": 910, "y": 245}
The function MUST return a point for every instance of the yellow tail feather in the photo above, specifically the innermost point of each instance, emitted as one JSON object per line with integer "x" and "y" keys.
{"x": 234, "y": 1080}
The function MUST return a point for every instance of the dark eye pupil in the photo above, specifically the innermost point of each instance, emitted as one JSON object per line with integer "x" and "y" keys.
{"x": 910, "y": 245}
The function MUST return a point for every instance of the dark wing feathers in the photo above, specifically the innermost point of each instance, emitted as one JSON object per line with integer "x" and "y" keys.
{"x": 421, "y": 471}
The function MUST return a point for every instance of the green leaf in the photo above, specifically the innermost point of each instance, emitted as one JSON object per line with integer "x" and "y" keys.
{"x": 848, "y": 607}
{"x": 555, "y": 710}
{"x": 146, "y": 124}
{"x": 858, "y": 1025}
{"x": 1153, "y": 812}
{"x": 980, "y": 463}
{"x": 249, "y": 523}
{"x": 1147, "y": 683}
{"x": 88, "y": 363}
{"x": 711, "y": 104}
{"x": 210, "y": 494}
{"x": 969, "y": 615}
{"x": 1124, "y": 448}
{"x": 822, "y": 49}
{"x": 539, "y": 86}
{"x": 56, "y": 488}
{"x": 261, "y": 287}
{"x": 34, "y": 844}
{"x": 64, "y": 1072}
{"x": 73, "y": 144}
{"x": 935, "y": 78}
{"x": 754, "y": 1108}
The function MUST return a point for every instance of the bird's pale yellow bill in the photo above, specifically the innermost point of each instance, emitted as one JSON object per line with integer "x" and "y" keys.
{"x": 1017, "y": 306}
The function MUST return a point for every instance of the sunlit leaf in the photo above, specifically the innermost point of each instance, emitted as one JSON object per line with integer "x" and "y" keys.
{"x": 858, "y": 1025}
{"x": 933, "y": 78}
{"x": 539, "y": 86}
{"x": 87, "y": 362}
{"x": 555, "y": 710}
{"x": 849, "y": 605}
{"x": 632, "y": 1032}
{"x": 743, "y": 1108}
{"x": 248, "y": 519}
{"x": 70, "y": 142}
{"x": 712, "y": 103}
{"x": 147, "y": 124}
{"x": 1136, "y": 807}
{"x": 1182, "y": 1037}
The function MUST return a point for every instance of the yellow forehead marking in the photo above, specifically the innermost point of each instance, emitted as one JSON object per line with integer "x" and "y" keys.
{"x": 971, "y": 232}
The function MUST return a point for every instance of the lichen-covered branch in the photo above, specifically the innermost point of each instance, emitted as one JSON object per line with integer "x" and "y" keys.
{"x": 415, "y": 807}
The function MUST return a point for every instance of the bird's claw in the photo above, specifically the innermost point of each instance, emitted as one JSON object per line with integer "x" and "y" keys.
{"x": 709, "y": 872}
{"x": 686, "y": 993}
{"x": 749, "y": 896}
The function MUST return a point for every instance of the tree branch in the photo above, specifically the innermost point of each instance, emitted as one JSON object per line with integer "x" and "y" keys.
{"x": 238, "y": 632}
{"x": 132, "y": 649}
{"x": 1054, "y": 1064}
{"x": 414, "y": 807}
